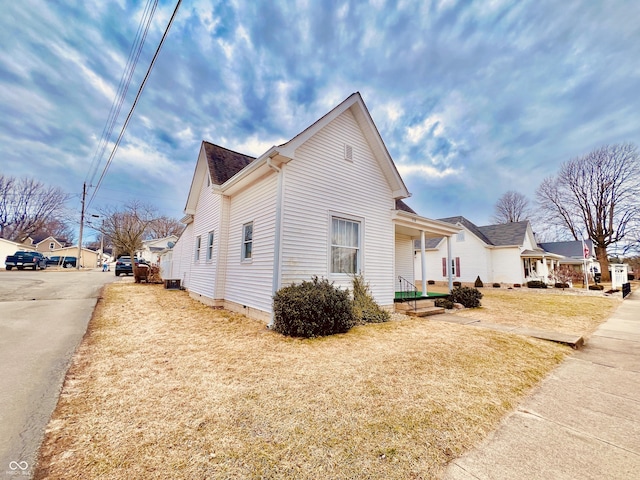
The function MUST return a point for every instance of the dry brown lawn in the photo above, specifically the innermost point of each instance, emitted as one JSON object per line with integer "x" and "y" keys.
{"x": 165, "y": 387}
{"x": 549, "y": 309}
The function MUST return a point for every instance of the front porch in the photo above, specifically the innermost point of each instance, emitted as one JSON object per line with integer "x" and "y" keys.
{"x": 539, "y": 265}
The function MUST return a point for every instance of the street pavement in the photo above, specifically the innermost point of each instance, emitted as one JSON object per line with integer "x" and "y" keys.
{"x": 43, "y": 317}
{"x": 583, "y": 421}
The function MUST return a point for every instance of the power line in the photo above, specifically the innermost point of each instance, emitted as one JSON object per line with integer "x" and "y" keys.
{"x": 123, "y": 88}
{"x": 135, "y": 102}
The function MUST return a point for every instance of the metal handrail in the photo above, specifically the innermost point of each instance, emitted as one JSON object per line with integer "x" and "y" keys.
{"x": 408, "y": 290}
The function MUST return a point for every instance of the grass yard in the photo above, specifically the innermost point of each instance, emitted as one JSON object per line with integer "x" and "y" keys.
{"x": 165, "y": 387}
{"x": 549, "y": 309}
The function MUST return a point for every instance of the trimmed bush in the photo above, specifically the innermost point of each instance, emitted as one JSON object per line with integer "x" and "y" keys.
{"x": 536, "y": 284}
{"x": 468, "y": 297}
{"x": 596, "y": 287}
{"x": 561, "y": 285}
{"x": 457, "y": 284}
{"x": 496, "y": 285}
{"x": 443, "y": 302}
{"x": 431, "y": 282}
{"x": 478, "y": 283}
{"x": 516, "y": 285}
{"x": 312, "y": 309}
{"x": 365, "y": 308}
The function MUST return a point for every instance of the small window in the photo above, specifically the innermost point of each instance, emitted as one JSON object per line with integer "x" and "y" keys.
{"x": 345, "y": 246}
{"x": 52, "y": 246}
{"x": 198, "y": 245}
{"x": 210, "y": 247}
{"x": 247, "y": 241}
{"x": 460, "y": 237}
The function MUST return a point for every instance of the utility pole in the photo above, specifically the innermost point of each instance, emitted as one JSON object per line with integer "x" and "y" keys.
{"x": 84, "y": 194}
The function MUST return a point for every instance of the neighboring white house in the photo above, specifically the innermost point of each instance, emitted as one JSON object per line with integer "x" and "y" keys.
{"x": 325, "y": 203}
{"x": 8, "y": 247}
{"x": 503, "y": 253}
{"x": 575, "y": 253}
{"x": 151, "y": 249}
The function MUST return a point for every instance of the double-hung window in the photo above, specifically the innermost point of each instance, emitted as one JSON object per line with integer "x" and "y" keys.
{"x": 345, "y": 245}
{"x": 198, "y": 245}
{"x": 247, "y": 241}
{"x": 209, "y": 246}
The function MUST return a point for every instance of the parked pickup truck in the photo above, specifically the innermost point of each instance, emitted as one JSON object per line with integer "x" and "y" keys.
{"x": 22, "y": 260}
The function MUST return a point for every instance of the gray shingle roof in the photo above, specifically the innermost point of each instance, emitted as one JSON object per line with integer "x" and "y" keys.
{"x": 497, "y": 235}
{"x": 568, "y": 249}
{"x": 505, "y": 233}
{"x": 400, "y": 205}
{"x": 224, "y": 163}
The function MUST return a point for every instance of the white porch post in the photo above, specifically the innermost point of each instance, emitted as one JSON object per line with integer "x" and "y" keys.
{"x": 423, "y": 263}
{"x": 449, "y": 276}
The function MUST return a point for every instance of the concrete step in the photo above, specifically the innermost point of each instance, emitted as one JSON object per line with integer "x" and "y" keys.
{"x": 425, "y": 311}
{"x": 422, "y": 303}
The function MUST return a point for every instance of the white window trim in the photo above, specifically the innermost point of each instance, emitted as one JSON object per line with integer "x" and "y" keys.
{"x": 361, "y": 230}
{"x": 244, "y": 259}
{"x": 211, "y": 238}
{"x": 196, "y": 256}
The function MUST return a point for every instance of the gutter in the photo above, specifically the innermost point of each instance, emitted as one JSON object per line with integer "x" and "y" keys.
{"x": 277, "y": 243}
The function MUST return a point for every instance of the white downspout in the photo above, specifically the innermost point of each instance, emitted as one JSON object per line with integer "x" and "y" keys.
{"x": 449, "y": 263}
{"x": 277, "y": 247}
{"x": 423, "y": 264}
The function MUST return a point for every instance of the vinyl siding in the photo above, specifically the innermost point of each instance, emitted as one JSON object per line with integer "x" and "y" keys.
{"x": 249, "y": 283}
{"x": 207, "y": 219}
{"x": 404, "y": 260}
{"x": 319, "y": 182}
{"x": 507, "y": 265}
{"x": 181, "y": 257}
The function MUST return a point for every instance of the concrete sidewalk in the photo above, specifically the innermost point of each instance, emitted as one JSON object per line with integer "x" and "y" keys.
{"x": 583, "y": 421}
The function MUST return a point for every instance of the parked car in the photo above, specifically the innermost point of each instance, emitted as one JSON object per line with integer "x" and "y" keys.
{"x": 22, "y": 260}
{"x": 62, "y": 261}
{"x": 123, "y": 265}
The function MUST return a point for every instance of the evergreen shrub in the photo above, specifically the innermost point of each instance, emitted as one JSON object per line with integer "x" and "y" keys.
{"x": 457, "y": 284}
{"x": 365, "y": 308}
{"x": 478, "y": 283}
{"x": 496, "y": 285}
{"x": 596, "y": 287}
{"x": 443, "y": 302}
{"x": 312, "y": 309}
{"x": 468, "y": 297}
{"x": 536, "y": 284}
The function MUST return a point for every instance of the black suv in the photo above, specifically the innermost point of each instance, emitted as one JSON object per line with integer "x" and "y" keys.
{"x": 123, "y": 265}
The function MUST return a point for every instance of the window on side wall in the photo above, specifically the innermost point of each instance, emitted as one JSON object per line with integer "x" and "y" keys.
{"x": 345, "y": 245}
{"x": 209, "y": 246}
{"x": 198, "y": 245}
{"x": 247, "y": 241}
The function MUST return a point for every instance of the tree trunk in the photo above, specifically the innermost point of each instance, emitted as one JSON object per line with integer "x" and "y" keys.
{"x": 603, "y": 259}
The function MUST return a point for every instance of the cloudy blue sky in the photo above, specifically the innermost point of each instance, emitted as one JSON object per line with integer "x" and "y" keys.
{"x": 472, "y": 98}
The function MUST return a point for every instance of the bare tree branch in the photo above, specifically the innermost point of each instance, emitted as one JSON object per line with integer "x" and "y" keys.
{"x": 511, "y": 207}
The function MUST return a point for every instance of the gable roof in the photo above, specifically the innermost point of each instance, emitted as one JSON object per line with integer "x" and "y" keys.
{"x": 571, "y": 248}
{"x": 400, "y": 205}
{"x": 498, "y": 235}
{"x": 224, "y": 163}
{"x": 230, "y": 171}
{"x": 512, "y": 233}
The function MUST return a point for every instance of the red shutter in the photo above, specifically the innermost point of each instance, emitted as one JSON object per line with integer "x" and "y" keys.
{"x": 444, "y": 266}
{"x": 457, "y": 266}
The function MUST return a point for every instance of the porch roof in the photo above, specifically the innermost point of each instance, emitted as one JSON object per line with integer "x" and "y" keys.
{"x": 540, "y": 254}
{"x": 411, "y": 224}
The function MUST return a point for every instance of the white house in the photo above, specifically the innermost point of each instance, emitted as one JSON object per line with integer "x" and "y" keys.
{"x": 7, "y": 247}
{"x": 503, "y": 253}
{"x": 576, "y": 254}
{"x": 151, "y": 249}
{"x": 325, "y": 203}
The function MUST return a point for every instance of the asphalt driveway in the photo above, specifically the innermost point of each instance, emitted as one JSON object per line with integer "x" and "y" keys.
{"x": 43, "y": 316}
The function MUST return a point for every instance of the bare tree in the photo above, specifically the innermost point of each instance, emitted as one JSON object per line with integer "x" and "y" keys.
{"x": 596, "y": 194}
{"x": 59, "y": 228}
{"x": 127, "y": 228}
{"x": 166, "y": 226}
{"x": 26, "y": 205}
{"x": 511, "y": 207}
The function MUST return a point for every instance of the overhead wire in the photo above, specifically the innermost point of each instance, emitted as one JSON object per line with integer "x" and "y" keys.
{"x": 123, "y": 87}
{"x": 135, "y": 102}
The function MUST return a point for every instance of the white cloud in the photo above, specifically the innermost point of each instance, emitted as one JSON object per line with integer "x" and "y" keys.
{"x": 427, "y": 171}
